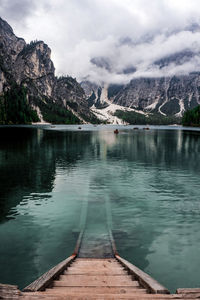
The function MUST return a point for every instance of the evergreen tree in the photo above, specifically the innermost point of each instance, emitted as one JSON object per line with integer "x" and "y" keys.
{"x": 192, "y": 117}
{"x": 14, "y": 107}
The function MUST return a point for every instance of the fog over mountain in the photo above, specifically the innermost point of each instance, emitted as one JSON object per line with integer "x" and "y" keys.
{"x": 112, "y": 41}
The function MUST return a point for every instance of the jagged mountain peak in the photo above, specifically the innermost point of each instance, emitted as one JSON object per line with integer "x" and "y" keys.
{"x": 4, "y": 26}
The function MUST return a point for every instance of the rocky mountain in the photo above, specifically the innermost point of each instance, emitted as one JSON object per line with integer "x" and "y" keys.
{"x": 27, "y": 74}
{"x": 30, "y": 66}
{"x": 170, "y": 95}
{"x": 97, "y": 96}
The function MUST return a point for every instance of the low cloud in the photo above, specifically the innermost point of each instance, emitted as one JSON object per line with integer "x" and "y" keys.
{"x": 100, "y": 40}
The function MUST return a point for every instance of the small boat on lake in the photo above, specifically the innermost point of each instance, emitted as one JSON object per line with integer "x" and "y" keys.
{"x": 116, "y": 131}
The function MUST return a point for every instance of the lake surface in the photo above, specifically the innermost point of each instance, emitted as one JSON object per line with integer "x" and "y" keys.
{"x": 144, "y": 185}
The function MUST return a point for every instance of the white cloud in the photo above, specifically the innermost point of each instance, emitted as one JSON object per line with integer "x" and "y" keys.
{"x": 79, "y": 30}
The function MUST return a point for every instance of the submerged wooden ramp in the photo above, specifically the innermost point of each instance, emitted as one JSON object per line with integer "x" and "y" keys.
{"x": 95, "y": 279}
{"x": 86, "y": 279}
{"x": 80, "y": 277}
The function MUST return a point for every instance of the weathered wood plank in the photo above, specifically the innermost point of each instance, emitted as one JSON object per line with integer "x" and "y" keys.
{"x": 188, "y": 290}
{"x": 96, "y": 283}
{"x": 99, "y": 290}
{"x": 9, "y": 292}
{"x": 44, "y": 281}
{"x": 78, "y": 243}
{"x": 97, "y": 278}
{"x": 114, "y": 248}
{"x": 144, "y": 279}
{"x": 89, "y": 272}
{"x": 102, "y": 296}
{"x": 189, "y": 296}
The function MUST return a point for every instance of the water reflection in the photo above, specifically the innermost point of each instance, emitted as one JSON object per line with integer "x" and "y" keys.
{"x": 39, "y": 199}
{"x": 23, "y": 167}
{"x": 142, "y": 184}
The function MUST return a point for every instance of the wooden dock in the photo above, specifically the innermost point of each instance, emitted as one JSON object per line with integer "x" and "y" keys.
{"x": 85, "y": 279}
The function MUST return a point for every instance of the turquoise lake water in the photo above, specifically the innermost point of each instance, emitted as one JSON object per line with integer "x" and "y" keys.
{"x": 143, "y": 185}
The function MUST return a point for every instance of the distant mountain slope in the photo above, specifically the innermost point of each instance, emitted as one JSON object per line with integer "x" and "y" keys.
{"x": 59, "y": 100}
{"x": 170, "y": 95}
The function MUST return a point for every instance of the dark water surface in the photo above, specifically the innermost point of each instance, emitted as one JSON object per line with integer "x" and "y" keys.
{"x": 144, "y": 185}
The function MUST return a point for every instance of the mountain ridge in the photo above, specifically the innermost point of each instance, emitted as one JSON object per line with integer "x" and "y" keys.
{"x": 30, "y": 65}
{"x": 170, "y": 95}
{"x": 64, "y": 100}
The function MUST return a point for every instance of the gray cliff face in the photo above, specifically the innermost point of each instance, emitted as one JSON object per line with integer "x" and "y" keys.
{"x": 10, "y": 45}
{"x": 70, "y": 93}
{"x": 89, "y": 88}
{"x": 95, "y": 94}
{"x": 31, "y": 65}
{"x": 165, "y": 95}
{"x": 171, "y": 95}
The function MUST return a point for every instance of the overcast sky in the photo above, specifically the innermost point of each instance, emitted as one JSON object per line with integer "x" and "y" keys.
{"x": 120, "y": 34}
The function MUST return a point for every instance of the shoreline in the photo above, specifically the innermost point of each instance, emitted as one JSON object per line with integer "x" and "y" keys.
{"x": 97, "y": 127}
{"x": 109, "y": 127}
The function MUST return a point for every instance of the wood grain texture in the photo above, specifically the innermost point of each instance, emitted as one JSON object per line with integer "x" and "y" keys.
{"x": 144, "y": 279}
{"x": 78, "y": 243}
{"x": 189, "y": 290}
{"x": 9, "y": 292}
{"x": 114, "y": 248}
{"x": 46, "y": 279}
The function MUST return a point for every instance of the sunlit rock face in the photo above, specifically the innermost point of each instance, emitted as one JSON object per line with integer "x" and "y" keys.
{"x": 35, "y": 61}
{"x": 31, "y": 65}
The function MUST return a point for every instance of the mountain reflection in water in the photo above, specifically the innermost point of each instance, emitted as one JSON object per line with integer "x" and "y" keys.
{"x": 143, "y": 184}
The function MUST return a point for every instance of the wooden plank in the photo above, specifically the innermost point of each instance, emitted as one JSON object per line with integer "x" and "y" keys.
{"x": 90, "y": 268}
{"x": 95, "y": 281}
{"x": 96, "y": 261}
{"x": 44, "y": 281}
{"x": 9, "y": 291}
{"x": 93, "y": 264}
{"x": 98, "y": 296}
{"x": 99, "y": 290}
{"x": 114, "y": 248}
{"x": 87, "y": 272}
{"x": 100, "y": 265}
{"x": 95, "y": 296}
{"x": 96, "y": 278}
{"x": 78, "y": 243}
{"x": 189, "y": 296}
{"x": 41, "y": 297}
{"x": 188, "y": 290}
{"x": 144, "y": 279}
